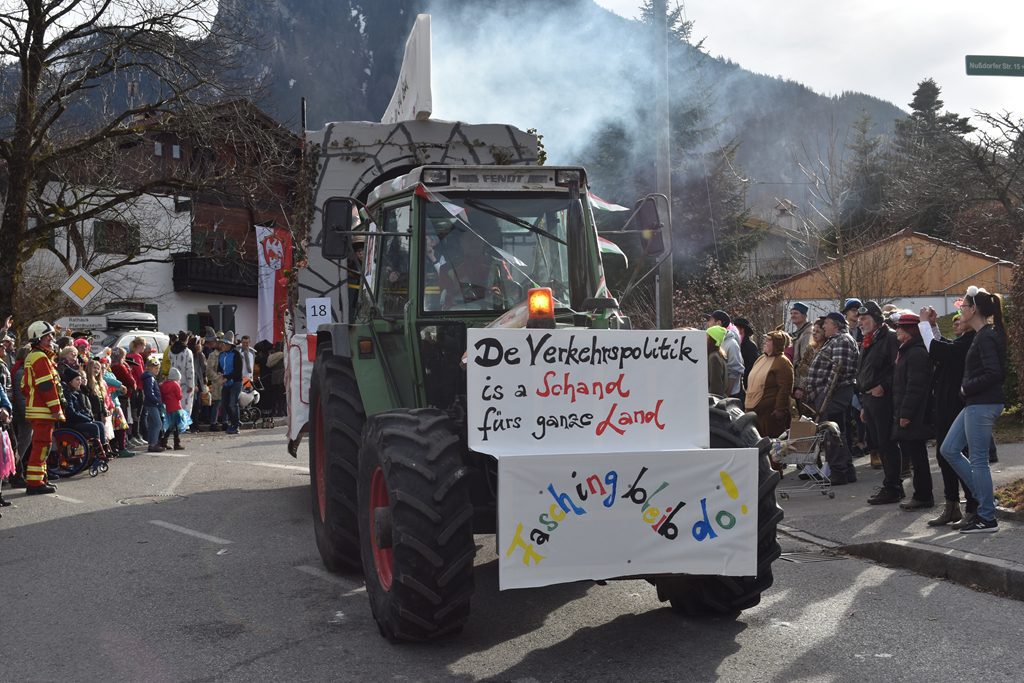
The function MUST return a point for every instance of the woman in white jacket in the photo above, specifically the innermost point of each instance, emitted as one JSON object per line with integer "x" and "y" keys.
{"x": 182, "y": 359}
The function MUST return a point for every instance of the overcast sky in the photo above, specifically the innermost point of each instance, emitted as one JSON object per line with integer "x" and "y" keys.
{"x": 879, "y": 47}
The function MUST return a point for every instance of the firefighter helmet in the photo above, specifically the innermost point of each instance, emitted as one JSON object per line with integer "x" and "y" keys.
{"x": 38, "y": 330}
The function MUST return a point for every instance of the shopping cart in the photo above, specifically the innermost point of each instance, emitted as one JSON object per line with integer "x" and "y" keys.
{"x": 804, "y": 446}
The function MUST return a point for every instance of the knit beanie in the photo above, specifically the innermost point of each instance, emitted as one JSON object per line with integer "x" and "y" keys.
{"x": 717, "y": 332}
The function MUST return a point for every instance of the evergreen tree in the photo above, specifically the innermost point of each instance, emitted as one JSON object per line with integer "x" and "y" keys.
{"x": 927, "y": 188}
{"x": 861, "y": 211}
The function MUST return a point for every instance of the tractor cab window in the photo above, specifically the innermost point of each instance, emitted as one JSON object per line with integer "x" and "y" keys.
{"x": 393, "y": 264}
{"x": 483, "y": 252}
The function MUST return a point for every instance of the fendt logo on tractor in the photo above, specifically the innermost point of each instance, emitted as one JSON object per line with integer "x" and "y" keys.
{"x": 478, "y": 377}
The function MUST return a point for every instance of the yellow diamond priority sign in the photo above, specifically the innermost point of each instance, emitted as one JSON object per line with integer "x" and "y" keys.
{"x": 81, "y": 287}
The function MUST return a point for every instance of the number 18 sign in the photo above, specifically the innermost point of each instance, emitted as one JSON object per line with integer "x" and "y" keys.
{"x": 318, "y": 312}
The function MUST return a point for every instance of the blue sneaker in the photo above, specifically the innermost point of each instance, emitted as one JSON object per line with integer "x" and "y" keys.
{"x": 231, "y": 430}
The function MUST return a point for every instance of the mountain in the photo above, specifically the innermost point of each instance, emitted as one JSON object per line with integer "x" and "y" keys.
{"x": 566, "y": 69}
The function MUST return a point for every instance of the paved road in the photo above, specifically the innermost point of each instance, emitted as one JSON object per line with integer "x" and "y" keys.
{"x": 212, "y": 574}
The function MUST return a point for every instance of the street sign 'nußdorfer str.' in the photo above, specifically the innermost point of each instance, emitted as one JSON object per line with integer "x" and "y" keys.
{"x": 991, "y": 65}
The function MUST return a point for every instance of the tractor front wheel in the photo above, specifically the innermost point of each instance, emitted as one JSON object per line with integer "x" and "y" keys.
{"x": 415, "y": 524}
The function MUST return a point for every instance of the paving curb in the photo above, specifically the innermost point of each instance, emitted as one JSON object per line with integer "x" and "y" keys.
{"x": 1009, "y": 515}
{"x": 968, "y": 569}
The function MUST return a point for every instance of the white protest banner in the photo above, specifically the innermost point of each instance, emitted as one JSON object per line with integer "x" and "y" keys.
{"x": 413, "y": 97}
{"x": 596, "y": 391}
{"x": 318, "y": 312}
{"x": 606, "y": 515}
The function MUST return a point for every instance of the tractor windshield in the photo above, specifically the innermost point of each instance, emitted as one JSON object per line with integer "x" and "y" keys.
{"x": 483, "y": 252}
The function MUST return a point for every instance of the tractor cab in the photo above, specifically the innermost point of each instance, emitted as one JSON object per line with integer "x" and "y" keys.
{"x": 449, "y": 248}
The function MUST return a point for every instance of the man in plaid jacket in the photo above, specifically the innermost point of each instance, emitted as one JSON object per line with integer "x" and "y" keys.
{"x": 838, "y": 356}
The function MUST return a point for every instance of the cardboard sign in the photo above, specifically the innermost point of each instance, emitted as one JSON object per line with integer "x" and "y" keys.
{"x": 318, "y": 312}
{"x": 599, "y": 516}
{"x": 593, "y": 391}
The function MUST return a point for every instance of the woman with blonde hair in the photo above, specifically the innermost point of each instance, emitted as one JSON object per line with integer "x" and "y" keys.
{"x": 770, "y": 384}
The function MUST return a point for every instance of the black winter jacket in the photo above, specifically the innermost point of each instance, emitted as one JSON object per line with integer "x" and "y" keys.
{"x": 985, "y": 369}
{"x": 76, "y": 407}
{"x": 876, "y": 362}
{"x": 912, "y": 381}
{"x": 948, "y": 359}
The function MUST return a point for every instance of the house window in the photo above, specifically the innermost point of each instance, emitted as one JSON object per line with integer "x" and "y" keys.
{"x": 175, "y": 151}
{"x": 158, "y": 149}
{"x": 114, "y": 237}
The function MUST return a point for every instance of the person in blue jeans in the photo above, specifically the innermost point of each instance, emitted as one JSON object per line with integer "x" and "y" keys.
{"x": 151, "y": 402}
{"x": 982, "y": 391}
{"x": 229, "y": 364}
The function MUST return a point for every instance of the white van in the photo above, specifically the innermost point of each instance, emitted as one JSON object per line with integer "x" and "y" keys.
{"x": 123, "y": 338}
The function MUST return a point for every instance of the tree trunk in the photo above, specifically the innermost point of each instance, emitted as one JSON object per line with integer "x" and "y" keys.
{"x": 13, "y": 235}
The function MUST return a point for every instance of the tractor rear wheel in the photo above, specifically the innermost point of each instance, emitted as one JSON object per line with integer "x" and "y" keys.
{"x": 415, "y": 524}
{"x": 695, "y": 595}
{"x": 336, "y": 420}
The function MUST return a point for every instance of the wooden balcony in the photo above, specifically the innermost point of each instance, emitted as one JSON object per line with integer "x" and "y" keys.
{"x": 215, "y": 275}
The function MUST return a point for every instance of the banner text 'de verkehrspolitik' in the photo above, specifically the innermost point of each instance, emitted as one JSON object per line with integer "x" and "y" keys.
{"x": 572, "y": 391}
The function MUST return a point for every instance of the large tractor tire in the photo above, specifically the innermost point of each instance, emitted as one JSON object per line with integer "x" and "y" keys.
{"x": 697, "y": 595}
{"x": 336, "y": 420}
{"x": 415, "y": 524}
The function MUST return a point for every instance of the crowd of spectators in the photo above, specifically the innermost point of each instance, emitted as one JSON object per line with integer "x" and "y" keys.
{"x": 891, "y": 383}
{"x": 121, "y": 400}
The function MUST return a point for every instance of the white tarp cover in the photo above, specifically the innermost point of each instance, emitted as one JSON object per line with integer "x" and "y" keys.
{"x": 413, "y": 98}
{"x": 298, "y": 373}
{"x": 599, "y": 516}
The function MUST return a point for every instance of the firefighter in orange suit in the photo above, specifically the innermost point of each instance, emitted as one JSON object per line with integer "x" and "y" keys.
{"x": 41, "y": 387}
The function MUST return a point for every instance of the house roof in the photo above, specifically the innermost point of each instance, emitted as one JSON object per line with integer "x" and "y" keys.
{"x": 897, "y": 236}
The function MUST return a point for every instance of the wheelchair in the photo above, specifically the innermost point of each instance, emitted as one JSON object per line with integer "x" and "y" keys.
{"x": 70, "y": 453}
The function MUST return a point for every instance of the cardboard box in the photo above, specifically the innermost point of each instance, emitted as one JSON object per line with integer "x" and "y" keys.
{"x": 801, "y": 436}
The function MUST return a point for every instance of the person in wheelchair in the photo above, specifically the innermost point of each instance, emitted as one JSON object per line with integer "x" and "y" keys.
{"x": 78, "y": 412}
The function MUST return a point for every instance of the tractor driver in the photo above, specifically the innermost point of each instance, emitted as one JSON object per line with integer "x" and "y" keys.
{"x": 469, "y": 270}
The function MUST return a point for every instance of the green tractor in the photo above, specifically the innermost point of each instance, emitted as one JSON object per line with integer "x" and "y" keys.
{"x": 396, "y": 493}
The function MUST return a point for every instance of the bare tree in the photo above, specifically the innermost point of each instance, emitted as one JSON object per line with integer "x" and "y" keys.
{"x": 994, "y": 220}
{"x": 839, "y": 222}
{"x": 84, "y": 80}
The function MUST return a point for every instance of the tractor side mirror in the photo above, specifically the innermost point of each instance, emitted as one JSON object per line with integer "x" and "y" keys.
{"x": 338, "y": 215}
{"x": 646, "y": 220}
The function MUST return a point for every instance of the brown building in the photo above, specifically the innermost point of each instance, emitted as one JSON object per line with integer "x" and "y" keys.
{"x": 909, "y": 269}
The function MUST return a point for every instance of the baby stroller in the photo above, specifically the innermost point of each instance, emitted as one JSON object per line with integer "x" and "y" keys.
{"x": 248, "y": 399}
{"x": 251, "y": 414}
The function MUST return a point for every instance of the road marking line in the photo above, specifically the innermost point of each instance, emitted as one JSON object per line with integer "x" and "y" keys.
{"x": 189, "y": 532}
{"x": 352, "y": 586}
{"x": 275, "y": 465}
{"x": 169, "y": 491}
{"x": 69, "y": 499}
{"x": 169, "y": 455}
